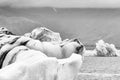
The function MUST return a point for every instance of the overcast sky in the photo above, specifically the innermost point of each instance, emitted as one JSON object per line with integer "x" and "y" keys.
{"x": 62, "y": 3}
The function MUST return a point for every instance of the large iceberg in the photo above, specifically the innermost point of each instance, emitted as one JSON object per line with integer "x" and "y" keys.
{"x": 44, "y": 34}
{"x": 24, "y": 58}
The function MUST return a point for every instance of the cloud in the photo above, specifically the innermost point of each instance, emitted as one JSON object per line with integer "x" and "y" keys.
{"x": 61, "y": 3}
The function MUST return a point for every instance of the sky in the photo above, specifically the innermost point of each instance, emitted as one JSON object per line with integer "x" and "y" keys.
{"x": 61, "y": 3}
